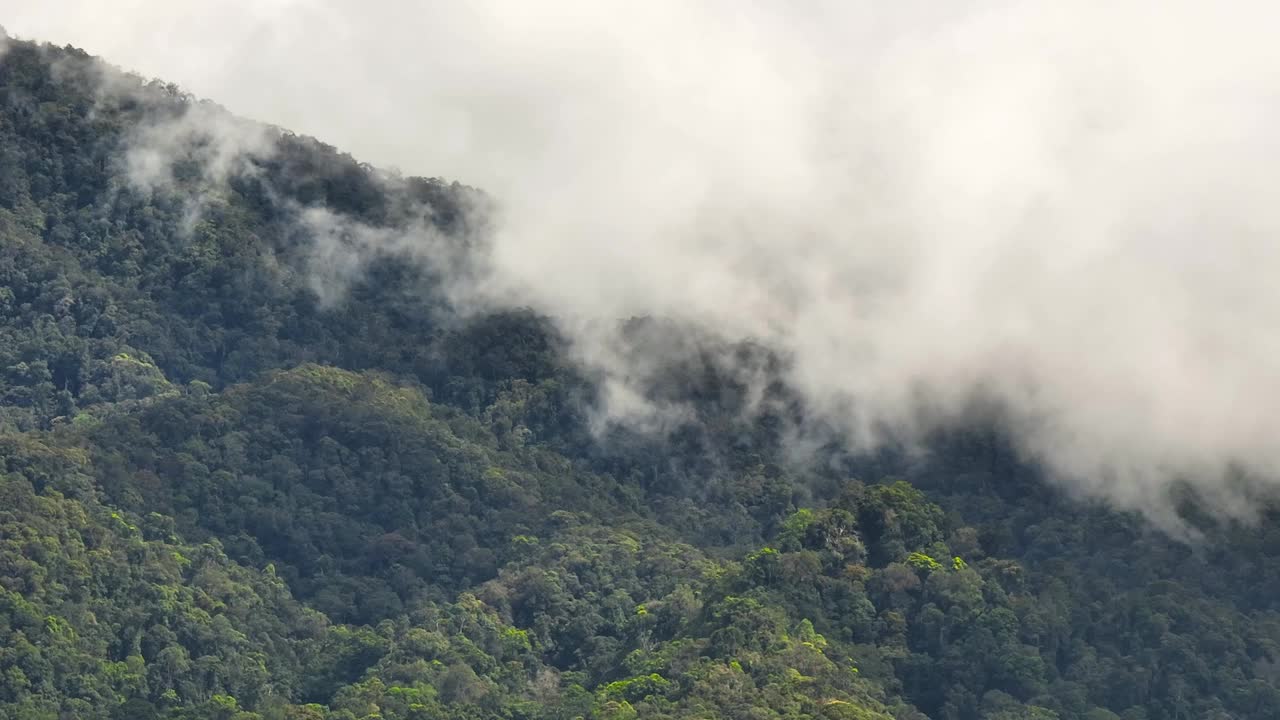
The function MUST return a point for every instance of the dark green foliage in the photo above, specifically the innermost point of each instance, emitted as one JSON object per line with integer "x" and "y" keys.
{"x": 228, "y": 492}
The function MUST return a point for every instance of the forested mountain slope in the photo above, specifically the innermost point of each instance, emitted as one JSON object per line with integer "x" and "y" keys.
{"x": 253, "y": 465}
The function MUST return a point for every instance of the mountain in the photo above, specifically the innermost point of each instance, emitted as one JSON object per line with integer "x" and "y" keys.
{"x": 256, "y": 465}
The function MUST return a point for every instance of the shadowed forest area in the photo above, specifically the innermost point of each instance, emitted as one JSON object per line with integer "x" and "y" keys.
{"x": 236, "y": 484}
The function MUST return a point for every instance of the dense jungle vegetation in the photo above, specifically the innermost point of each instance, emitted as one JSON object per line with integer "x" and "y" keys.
{"x": 224, "y": 495}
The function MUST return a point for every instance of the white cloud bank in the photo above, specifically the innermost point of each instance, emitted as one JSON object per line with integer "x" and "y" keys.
{"x": 1068, "y": 207}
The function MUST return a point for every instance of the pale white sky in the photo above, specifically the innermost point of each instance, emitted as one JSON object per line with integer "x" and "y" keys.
{"x": 1067, "y": 206}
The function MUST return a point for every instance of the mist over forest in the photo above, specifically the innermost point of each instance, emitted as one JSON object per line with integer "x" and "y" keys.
{"x": 676, "y": 360}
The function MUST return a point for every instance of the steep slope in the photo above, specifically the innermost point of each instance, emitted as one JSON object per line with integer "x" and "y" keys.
{"x": 255, "y": 466}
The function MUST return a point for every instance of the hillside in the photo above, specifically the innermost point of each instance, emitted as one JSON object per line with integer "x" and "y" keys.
{"x": 254, "y": 465}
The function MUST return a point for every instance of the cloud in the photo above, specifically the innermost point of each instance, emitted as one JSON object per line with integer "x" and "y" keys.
{"x": 199, "y": 148}
{"x": 200, "y": 139}
{"x": 340, "y": 250}
{"x": 173, "y": 143}
{"x": 1064, "y": 209}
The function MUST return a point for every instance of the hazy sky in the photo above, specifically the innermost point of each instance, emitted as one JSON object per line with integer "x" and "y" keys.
{"x": 1065, "y": 206}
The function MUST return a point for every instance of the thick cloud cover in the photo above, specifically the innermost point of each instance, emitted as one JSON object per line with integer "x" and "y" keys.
{"x": 1065, "y": 208}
